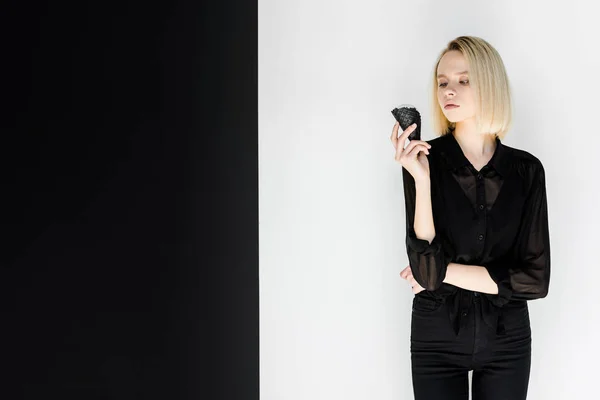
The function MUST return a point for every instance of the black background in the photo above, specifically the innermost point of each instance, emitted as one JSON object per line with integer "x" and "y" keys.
{"x": 129, "y": 223}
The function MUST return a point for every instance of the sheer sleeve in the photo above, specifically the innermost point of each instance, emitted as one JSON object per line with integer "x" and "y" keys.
{"x": 527, "y": 277}
{"x": 427, "y": 260}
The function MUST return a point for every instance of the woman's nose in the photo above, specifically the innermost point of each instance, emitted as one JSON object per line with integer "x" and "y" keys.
{"x": 449, "y": 90}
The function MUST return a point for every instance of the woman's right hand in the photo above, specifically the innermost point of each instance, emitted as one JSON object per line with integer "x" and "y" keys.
{"x": 410, "y": 157}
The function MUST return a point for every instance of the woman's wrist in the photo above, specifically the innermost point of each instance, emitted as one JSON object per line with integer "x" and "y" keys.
{"x": 449, "y": 273}
{"x": 422, "y": 182}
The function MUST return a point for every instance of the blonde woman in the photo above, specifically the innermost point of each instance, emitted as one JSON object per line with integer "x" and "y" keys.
{"x": 476, "y": 234}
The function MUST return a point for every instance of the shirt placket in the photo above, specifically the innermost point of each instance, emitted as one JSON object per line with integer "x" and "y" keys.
{"x": 480, "y": 209}
{"x": 481, "y": 214}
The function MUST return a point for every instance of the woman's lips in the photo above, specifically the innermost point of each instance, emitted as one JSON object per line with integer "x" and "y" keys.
{"x": 449, "y": 106}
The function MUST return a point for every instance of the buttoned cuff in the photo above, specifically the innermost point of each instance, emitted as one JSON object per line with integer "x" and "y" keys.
{"x": 498, "y": 271}
{"x": 427, "y": 261}
{"x": 423, "y": 246}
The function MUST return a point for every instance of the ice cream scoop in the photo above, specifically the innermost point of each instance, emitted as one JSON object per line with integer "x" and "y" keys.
{"x": 406, "y": 115}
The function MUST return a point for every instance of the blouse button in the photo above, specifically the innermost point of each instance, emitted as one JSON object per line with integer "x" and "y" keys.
{"x": 480, "y": 237}
{"x": 481, "y": 206}
{"x": 479, "y": 176}
{"x": 464, "y": 314}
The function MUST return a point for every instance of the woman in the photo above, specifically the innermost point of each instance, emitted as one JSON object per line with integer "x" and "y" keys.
{"x": 476, "y": 234}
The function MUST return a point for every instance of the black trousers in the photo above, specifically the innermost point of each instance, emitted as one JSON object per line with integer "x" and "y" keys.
{"x": 441, "y": 360}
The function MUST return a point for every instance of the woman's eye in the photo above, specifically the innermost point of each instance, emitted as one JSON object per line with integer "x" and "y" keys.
{"x": 442, "y": 84}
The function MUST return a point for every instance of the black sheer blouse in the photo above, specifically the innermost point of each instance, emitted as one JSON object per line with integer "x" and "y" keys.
{"x": 496, "y": 218}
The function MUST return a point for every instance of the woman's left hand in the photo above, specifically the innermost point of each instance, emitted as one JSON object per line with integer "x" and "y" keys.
{"x": 407, "y": 274}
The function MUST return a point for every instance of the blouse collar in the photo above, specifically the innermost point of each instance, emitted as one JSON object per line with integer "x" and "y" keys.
{"x": 453, "y": 153}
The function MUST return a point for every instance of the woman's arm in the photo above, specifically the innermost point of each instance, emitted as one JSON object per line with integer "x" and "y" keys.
{"x": 425, "y": 254}
{"x": 470, "y": 277}
{"x": 526, "y": 274}
{"x": 423, "y": 225}
{"x": 525, "y": 277}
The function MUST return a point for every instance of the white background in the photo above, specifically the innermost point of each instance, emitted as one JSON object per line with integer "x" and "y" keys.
{"x": 334, "y": 313}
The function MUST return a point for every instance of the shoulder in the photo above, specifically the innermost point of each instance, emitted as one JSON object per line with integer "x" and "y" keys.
{"x": 525, "y": 160}
{"x": 528, "y": 166}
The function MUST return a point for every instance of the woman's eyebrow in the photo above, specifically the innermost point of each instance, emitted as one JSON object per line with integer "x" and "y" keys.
{"x": 456, "y": 73}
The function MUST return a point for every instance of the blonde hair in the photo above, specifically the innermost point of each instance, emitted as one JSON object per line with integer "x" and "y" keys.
{"x": 488, "y": 78}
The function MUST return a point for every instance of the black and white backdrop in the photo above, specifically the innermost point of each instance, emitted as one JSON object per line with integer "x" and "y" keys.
{"x": 135, "y": 137}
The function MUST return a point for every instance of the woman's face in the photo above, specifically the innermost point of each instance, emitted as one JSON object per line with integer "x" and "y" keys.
{"x": 454, "y": 87}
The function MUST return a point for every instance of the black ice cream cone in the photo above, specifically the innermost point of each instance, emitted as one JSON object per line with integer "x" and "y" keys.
{"x": 407, "y": 115}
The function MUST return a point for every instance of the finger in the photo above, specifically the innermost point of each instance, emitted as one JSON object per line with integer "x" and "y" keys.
{"x": 414, "y": 143}
{"x": 411, "y": 145}
{"x": 405, "y": 272}
{"x": 412, "y": 281}
{"x": 402, "y": 139}
{"x": 414, "y": 152}
{"x": 399, "y": 142}
{"x": 394, "y": 137}
{"x": 407, "y": 132}
{"x": 423, "y": 142}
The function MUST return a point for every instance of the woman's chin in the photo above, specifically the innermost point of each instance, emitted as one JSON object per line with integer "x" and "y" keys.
{"x": 453, "y": 118}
